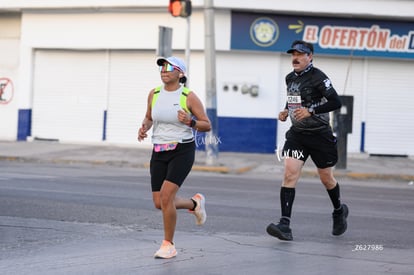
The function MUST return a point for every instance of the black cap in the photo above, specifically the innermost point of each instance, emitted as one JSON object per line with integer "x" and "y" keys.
{"x": 302, "y": 48}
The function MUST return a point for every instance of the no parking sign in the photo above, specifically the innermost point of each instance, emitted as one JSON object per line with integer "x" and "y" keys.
{"x": 6, "y": 90}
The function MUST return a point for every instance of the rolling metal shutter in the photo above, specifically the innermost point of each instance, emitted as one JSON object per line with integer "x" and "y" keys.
{"x": 132, "y": 76}
{"x": 91, "y": 96}
{"x": 389, "y": 129}
{"x": 70, "y": 95}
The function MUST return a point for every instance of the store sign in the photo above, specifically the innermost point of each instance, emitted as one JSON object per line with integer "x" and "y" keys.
{"x": 336, "y": 36}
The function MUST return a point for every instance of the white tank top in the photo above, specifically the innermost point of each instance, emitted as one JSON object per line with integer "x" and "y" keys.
{"x": 166, "y": 126}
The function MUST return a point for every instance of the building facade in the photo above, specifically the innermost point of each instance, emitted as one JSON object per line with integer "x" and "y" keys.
{"x": 81, "y": 71}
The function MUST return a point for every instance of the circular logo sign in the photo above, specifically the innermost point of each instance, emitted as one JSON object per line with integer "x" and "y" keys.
{"x": 6, "y": 90}
{"x": 264, "y": 32}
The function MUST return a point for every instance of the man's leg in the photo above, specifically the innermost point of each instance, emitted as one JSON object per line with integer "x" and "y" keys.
{"x": 340, "y": 212}
{"x": 293, "y": 168}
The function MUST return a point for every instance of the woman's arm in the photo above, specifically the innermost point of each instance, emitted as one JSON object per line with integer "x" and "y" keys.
{"x": 202, "y": 122}
{"x": 147, "y": 121}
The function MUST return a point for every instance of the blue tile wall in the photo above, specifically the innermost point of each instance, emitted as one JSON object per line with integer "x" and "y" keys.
{"x": 248, "y": 135}
{"x": 24, "y": 126}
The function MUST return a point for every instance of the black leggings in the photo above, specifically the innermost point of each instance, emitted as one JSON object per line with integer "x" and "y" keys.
{"x": 174, "y": 165}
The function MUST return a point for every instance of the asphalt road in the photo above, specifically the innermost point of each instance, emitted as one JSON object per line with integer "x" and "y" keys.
{"x": 103, "y": 218}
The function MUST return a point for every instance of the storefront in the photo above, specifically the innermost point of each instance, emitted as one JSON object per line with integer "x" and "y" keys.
{"x": 371, "y": 60}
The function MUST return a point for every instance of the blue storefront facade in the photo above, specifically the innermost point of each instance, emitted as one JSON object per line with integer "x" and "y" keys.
{"x": 355, "y": 40}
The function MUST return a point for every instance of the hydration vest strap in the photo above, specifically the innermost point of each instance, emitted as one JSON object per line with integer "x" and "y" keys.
{"x": 183, "y": 98}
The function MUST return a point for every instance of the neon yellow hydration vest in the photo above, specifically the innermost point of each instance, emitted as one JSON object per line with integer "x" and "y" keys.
{"x": 183, "y": 98}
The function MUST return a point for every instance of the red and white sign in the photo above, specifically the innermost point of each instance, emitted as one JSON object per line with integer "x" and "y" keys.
{"x": 6, "y": 90}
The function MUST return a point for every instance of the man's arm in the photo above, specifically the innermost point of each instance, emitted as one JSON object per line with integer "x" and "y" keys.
{"x": 333, "y": 103}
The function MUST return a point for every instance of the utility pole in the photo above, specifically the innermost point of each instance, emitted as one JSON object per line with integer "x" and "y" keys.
{"x": 187, "y": 51}
{"x": 211, "y": 101}
{"x": 164, "y": 41}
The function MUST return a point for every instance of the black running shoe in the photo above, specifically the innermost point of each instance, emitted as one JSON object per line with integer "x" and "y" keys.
{"x": 339, "y": 221}
{"x": 280, "y": 231}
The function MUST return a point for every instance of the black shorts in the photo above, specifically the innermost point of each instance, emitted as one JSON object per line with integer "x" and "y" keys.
{"x": 174, "y": 165}
{"x": 320, "y": 146}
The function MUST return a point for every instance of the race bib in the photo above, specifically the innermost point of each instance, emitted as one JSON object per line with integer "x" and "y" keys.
{"x": 294, "y": 101}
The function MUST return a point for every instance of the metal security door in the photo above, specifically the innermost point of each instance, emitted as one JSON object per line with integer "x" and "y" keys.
{"x": 69, "y": 95}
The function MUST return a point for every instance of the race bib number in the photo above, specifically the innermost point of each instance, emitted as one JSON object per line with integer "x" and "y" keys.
{"x": 294, "y": 101}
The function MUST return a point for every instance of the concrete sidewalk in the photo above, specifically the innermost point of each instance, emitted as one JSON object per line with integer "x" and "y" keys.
{"x": 359, "y": 166}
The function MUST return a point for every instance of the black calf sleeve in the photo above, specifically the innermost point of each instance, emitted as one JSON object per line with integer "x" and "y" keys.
{"x": 287, "y": 196}
{"x": 335, "y": 196}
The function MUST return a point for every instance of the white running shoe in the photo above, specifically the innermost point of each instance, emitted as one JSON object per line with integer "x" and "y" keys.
{"x": 166, "y": 251}
{"x": 200, "y": 210}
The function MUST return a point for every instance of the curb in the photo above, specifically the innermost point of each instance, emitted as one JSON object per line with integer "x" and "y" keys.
{"x": 201, "y": 168}
{"x": 71, "y": 161}
{"x": 380, "y": 176}
{"x": 223, "y": 169}
{"x": 363, "y": 176}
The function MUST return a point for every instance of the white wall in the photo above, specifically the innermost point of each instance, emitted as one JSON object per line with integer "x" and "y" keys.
{"x": 113, "y": 31}
{"x": 238, "y": 69}
{"x": 366, "y": 8}
{"x": 9, "y": 66}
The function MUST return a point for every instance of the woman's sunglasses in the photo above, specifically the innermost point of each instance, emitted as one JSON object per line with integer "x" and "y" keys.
{"x": 167, "y": 67}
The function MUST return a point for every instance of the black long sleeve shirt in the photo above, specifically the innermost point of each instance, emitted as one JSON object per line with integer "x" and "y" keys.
{"x": 311, "y": 88}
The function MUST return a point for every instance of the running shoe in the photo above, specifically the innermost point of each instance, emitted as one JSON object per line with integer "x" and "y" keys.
{"x": 339, "y": 220}
{"x": 166, "y": 251}
{"x": 200, "y": 210}
{"x": 281, "y": 231}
